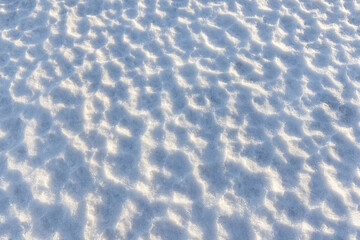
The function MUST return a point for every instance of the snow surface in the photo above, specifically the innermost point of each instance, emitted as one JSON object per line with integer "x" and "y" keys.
{"x": 182, "y": 119}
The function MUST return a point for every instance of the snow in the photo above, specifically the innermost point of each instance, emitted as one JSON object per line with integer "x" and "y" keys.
{"x": 182, "y": 119}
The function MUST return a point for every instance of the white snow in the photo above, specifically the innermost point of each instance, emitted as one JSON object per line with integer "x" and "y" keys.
{"x": 182, "y": 119}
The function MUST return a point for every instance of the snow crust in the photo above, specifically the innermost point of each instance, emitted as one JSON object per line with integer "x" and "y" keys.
{"x": 182, "y": 119}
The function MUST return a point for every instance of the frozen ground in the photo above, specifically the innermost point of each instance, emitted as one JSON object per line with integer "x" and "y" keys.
{"x": 183, "y": 119}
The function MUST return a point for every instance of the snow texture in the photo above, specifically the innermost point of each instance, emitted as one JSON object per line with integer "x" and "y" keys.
{"x": 179, "y": 119}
